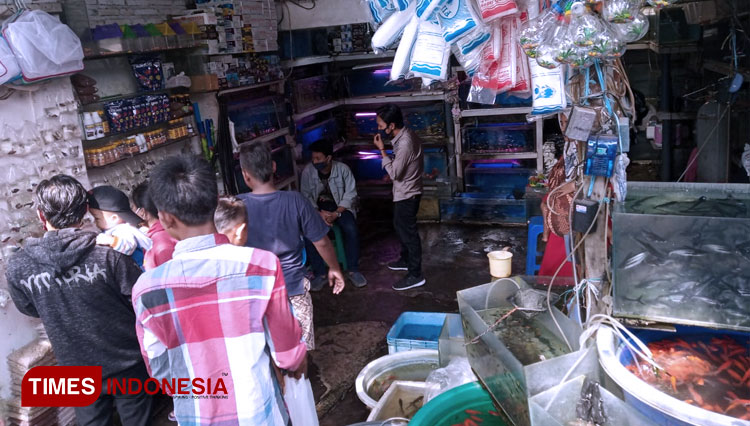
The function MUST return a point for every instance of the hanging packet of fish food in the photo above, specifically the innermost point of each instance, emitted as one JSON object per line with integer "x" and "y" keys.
{"x": 496, "y": 9}
{"x": 379, "y": 10}
{"x": 400, "y": 67}
{"x": 392, "y": 27}
{"x": 431, "y": 54}
{"x": 457, "y": 17}
{"x": 548, "y": 89}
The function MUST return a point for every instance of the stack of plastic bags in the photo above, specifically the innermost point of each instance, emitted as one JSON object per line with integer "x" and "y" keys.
{"x": 481, "y": 34}
{"x": 35, "y": 46}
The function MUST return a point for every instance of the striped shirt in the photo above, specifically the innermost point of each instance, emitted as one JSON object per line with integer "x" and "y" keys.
{"x": 210, "y": 312}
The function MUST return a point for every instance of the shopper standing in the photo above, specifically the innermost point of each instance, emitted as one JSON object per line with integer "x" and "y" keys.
{"x": 405, "y": 170}
{"x": 279, "y": 221}
{"x": 215, "y": 311}
{"x": 81, "y": 291}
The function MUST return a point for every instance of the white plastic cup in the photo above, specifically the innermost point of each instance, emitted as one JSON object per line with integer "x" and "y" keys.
{"x": 500, "y": 263}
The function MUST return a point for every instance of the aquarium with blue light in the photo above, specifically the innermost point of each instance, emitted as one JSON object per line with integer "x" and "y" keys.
{"x": 306, "y": 136}
{"x": 499, "y": 178}
{"x": 367, "y": 164}
{"x": 375, "y": 82}
{"x": 498, "y": 138}
{"x": 256, "y": 117}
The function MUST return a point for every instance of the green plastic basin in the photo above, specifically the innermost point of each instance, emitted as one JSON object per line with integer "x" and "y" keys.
{"x": 450, "y": 408}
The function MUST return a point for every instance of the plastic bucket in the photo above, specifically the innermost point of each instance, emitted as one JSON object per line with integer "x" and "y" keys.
{"x": 458, "y": 404}
{"x": 500, "y": 262}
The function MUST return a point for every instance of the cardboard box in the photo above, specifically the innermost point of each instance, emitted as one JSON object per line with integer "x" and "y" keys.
{"x": 204, "y": 82}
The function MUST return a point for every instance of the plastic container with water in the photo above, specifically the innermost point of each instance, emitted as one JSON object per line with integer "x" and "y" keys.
{"x": 682, "y": 254}
{"x": 522, "y": 356}
{"x": 415, "y": 330}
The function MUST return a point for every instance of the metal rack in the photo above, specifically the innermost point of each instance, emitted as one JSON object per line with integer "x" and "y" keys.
{"x": 495, "y": 112}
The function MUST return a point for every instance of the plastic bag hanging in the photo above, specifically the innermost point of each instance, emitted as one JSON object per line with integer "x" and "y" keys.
{"x": 403, "y": 55}
{"x": 425, "y": 8}
{"x": 43, "y": 46}
{"x": 9, "y": 68}
{"x": 533, "y": 32}
{"x": 496, "y": 9}
{"x": 380, "y": 10}
{"x": 661, "y": 3}
{"x": 387, "y": 34}
{"x": 633, "y": 30}
{"x": 484, "y": 82}
{"x": 431, "y": 53}
{"x": 548, "y": 89}
{"x": 620, "y": 11}
{"x": 457, "y": 18}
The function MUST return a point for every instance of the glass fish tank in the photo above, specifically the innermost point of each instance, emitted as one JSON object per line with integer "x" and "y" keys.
{"x": 510, "y": 357}
{"x": 682, "y": 254}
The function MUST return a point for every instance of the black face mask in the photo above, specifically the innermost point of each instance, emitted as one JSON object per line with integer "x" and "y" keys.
{"x": 384, "y": 134}
{"x": 320, "y": 166}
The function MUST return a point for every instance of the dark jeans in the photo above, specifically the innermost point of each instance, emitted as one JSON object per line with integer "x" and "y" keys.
{"x": 134, "y": 410}
{"x": 405, "y": 222}
{"x": 350, "y": 234}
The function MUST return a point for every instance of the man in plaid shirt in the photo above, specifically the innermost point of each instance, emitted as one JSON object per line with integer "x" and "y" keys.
{"x": 213, "y": 310}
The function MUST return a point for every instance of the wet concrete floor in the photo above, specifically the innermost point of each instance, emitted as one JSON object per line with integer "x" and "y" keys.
{"x": 454, "y": 258}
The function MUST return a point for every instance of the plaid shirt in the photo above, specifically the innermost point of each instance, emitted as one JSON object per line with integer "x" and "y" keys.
{"x": 209, "y": 313}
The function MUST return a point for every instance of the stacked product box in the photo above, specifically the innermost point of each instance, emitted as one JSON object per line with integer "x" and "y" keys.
{"x": 240, "y": 26}
{"x": 233, "y": 71}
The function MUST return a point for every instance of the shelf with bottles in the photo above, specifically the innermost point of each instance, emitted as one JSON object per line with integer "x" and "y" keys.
{"x": 129, "y": 148}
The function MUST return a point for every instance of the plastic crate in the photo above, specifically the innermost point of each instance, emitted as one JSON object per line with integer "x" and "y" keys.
{"x": 415, "y": 330}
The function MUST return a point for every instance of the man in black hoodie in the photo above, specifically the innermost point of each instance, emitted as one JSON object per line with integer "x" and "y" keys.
{"x": 81, "y": 292}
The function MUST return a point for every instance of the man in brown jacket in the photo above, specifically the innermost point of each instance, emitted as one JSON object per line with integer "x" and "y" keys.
{"x": 405, "y": 170}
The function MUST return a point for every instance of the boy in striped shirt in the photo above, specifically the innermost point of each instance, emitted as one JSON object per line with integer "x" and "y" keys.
{"x": 213, "y": 310}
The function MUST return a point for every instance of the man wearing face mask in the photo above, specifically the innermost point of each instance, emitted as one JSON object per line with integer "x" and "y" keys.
{"x": 405, "y": 170}
{"x": 330, "y": 187}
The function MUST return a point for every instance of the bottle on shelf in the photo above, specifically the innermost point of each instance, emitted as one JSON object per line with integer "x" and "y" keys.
{"x": 88, "y": 126}
{"x": 98, "y": 125}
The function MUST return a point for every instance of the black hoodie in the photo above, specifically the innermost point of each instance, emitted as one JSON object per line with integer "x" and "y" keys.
{"x": 81, "y": 292}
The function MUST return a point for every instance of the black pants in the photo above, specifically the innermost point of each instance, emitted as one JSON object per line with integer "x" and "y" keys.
{"x": 350, "y": 234}
{"x": 405, "y": 222}
{"x": 134, "y": 410}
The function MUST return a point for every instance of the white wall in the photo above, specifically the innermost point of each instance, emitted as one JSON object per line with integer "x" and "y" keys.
{"x": 326, "y": 13}
{"x": 26, "y": 118}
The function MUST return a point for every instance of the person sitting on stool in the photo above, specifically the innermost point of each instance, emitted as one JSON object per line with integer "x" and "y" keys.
{"x": 329, "y": 185}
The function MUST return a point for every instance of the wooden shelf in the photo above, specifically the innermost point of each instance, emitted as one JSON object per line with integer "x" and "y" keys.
{"x": 493, "y": 112}
{"x": 725, "y": 69}
{"x": 182, "y": 139}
